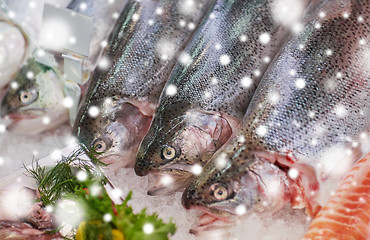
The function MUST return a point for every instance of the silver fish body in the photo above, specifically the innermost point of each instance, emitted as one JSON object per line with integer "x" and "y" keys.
{"x": 310, "y": 112}
{"x": 210, "y": 88}
{"x": 125, "y": 87}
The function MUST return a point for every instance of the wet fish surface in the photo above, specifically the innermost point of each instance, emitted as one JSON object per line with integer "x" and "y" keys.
{"x": 307, "y": 120}
{"x": 210, "y": 88}
{"x": 142, "y": 50}
{"x": 347, "y": 214}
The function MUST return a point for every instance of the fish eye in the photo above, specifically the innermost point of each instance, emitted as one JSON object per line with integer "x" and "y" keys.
{"x": 219, "y": 191}
{"x": 26, "y": 97}
{"x": 168, "y": 153}
{"x": 99, "y": 146}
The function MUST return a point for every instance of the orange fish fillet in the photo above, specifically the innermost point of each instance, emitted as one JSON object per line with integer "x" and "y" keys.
{"x": 347, "y": 214}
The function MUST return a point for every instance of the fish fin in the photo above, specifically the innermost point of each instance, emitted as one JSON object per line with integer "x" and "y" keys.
{"x": 218, "y": 125}
{"x": 303, "y": 178}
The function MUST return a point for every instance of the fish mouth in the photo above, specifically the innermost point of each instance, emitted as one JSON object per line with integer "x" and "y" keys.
{"x": 167, "y": 181}
{"x": 212, "y": 219}
{"x": 18, "y": 117}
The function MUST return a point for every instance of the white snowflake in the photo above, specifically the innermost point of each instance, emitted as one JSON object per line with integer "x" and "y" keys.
{"x": 340, "y": 110}
{"x": 68, "y": 102}
{"x": 166, "y": 180}
{"x": 182, "y": 23}
{"x": 158, "y": 10}
{"x": 224, "y": 59}
{"x": 81, "y": 176}
{"x": 2, "y": 128}
{"x": 148, "y": 228}
{"x": 360, "y": 19}
{"x": 240, "y": 210}
{"x": 322, "y": 14}
{"x": 267, "y": 59}
{"x": 264, "y": 38}
{"x": 328, "y": 52}
{"x": 261, "y": 130}
{"x": 185, "y": 59}
{"x": 196, "y": 169}
{"x": 246, "y": 82}
{"x": 191, "y": 26}
{"x": 300, "y": 83}
{"x": 257, "y": 73}
{"x": 107, "y": 217}
{"x": 274, "y": 98}
{"x": 311, "y": 114}
{"x": 345, "y": 15}
{"x": 221, "y": 161}
{"x": 104, "y": 63}
{"x": 317, "y": 25}
{"x": 292, "y": 72}
{"x": 30, "y": 75}
{"x": 135, "y": 17}
{"x": 171, "y": 90}
{"x": 93, "y": 111}
{"x": 32, "y": 4}
{"x": 218, "y": 46}
{"x": 1, "y": 161}
{"x": 45, "y": 120}
{"x": 214, "y": 81}
{"x": 293, "y": 173}
{"x": 362, "y": 41}
{"x": 49, "y": 208}
{"x": 243, "y": 38}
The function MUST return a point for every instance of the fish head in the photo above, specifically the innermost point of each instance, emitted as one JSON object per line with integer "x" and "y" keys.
{"x": 111, "y": 129}
{"x": 230, "y": 189}
{"x": 177, "y": 144}
{"x": 34, "y": 100}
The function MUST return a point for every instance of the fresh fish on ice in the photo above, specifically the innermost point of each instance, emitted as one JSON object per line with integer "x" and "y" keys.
{"x": 35, "y": 100}
{"x": 210, "y": 88}
{"x": 142, "y": 50}
{"x": 308, "y": 120}
{"x": 347, "y": 214}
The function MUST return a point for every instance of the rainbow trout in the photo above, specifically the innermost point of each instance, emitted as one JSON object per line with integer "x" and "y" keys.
{"x": 210, "y": 89}
{"x": 308, "y": 118}
{"x": 124, "y": 90}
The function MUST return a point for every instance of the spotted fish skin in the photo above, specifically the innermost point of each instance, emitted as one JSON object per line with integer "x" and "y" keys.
{"x": 309, "y": 111}
{"x": 214, "y": 82}
{"x": 347, "y": 213}
{"x": 125, "y": 87}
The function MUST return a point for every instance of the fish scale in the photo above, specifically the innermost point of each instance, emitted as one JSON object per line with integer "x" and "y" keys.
{"x": 309, "y": 114}
{"x": 142, "y": 49}
{"x": 214, "y": 84}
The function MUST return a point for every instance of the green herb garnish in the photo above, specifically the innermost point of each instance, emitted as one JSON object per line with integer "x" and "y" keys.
{"x": 60, "y": 182}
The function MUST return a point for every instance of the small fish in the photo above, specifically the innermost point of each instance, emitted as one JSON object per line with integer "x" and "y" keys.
{"x": 13, "y": 51}
{"x": 308, "y": 120}
{"x": 34, "y": 100}
{"x": 347, "y": 214}
{"x": 124, "y": 90}
{"x": 210, "y": 88}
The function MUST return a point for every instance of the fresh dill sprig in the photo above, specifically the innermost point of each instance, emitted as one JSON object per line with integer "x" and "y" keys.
{"x": 55, "y": 181}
